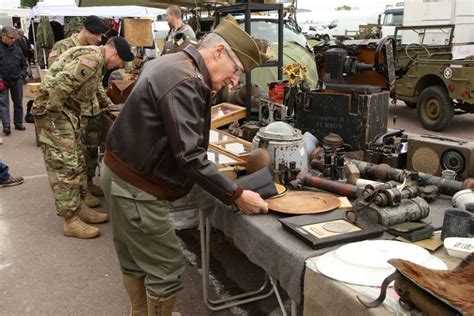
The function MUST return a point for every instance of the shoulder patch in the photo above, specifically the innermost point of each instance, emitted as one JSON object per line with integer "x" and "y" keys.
{"x": 88, "y": 63}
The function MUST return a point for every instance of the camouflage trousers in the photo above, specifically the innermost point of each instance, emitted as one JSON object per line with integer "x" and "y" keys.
{"x": 91, "y": 138}
{"x": 63, "y": 156}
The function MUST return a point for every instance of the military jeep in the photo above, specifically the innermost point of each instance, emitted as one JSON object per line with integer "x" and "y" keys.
{"x": 428, "y": 78}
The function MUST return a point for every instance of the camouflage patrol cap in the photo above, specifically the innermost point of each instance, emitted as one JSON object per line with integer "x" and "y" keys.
{"x": 95, "y": 25}
{"x": 123, "y": 48}
{"x": 241, "y": 43}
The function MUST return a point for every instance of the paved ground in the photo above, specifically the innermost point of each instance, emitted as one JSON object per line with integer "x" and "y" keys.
{"x": 44, "y": 273}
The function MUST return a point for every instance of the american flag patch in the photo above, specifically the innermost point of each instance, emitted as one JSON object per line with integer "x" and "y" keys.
{"x": 88, "y": 63}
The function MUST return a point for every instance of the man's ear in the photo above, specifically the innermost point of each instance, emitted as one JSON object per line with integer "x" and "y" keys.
{"x": 220, "y": 48}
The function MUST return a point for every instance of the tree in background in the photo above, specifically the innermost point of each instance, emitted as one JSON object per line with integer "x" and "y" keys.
{"x": 28, "y": 3}
{"x": 345, "y": 8}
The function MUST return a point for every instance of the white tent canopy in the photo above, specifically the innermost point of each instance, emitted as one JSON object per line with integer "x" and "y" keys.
{"x": 69, "y": 8}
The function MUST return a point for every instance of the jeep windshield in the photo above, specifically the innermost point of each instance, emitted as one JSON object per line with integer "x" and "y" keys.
{"x": 432, "y": 35}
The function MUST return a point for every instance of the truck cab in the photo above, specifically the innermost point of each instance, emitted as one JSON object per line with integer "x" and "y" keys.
{"x": 392, "y": 18}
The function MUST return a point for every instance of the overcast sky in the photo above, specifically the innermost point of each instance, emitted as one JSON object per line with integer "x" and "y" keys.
{"x": 323, "y": 10}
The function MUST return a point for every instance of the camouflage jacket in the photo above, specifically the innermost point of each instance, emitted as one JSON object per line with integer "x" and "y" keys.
{"x": 73, "y": 83}
{"x": 62, "y": 46}
{"x": 97, "y": 102}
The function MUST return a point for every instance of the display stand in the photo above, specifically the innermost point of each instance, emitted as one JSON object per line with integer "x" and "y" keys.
{"x": 247, "y": 9}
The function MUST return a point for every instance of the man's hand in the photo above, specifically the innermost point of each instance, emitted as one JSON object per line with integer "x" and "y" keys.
{"x": 251, "y": 203}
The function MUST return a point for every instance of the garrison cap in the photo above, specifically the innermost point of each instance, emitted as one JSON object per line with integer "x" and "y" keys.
{"x": 123, "y": 48}
{"x": 241, "y": 43}
{"x": 95, "y": 25}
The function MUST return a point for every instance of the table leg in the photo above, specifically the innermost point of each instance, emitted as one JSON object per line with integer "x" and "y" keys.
{"x": 220, "y": 304}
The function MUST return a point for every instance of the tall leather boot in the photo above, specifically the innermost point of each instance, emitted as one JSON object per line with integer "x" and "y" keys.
{"x": 91, "y": 200}
{"x": 161, "y": 306}
{"x": 137, "y": 293}
{"x": 74, "y": 227}
{"x": 90, "y": 216}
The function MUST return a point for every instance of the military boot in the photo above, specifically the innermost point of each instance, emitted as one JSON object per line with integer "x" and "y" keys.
{"x": 74, "y": 227}
{"x": 91, "y": 200}
{"x": 90, "y": 216}
{"x": 161, "y": 306}
{"x": 137, "y": 293}
{"x": 94, "y": 189}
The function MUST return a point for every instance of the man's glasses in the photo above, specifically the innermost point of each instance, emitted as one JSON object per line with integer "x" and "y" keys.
{"x": 238, "y": 71}
{"x": 11, "y": 37}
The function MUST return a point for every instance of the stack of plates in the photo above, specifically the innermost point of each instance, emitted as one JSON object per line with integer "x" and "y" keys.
{"x": 365, "y": 262}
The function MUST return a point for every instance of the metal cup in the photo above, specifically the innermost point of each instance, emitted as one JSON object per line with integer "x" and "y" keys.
{"x": 456, "y": 223}
{"x": 448, "y": 174}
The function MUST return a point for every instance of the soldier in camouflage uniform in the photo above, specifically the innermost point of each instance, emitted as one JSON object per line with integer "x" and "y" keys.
{"x": 91, "y": 123}
{"x": 65, "y": 93}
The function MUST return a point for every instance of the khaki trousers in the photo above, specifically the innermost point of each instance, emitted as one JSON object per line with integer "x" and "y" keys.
{"x": 144, "y": 237}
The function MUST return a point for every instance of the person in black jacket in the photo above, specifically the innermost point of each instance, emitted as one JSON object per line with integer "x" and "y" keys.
{"x": 25, "y": 46}
{"x": 13, "y": 71}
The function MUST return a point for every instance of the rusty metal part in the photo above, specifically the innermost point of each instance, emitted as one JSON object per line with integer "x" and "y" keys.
{"x": 316, "y": 153}
{"x": 317, "y": 164}
{"x": 304, "y": 202}
{"x": 305, "y": 178}
{"x": 371, "y": 187}
{"x": 333, "y": 140}
{"x": 383, "y": 171}
{"x": 393, "y": 196}
{"x": 430, "y": 193}
{"x": 328, "y": 162}
{"x": 383, "y": 291}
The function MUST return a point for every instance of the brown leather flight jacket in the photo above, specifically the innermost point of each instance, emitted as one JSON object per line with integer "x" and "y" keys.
{"x": 159, "y": 141}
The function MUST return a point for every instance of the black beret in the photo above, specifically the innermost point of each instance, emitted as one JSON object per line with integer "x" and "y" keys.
{"x": 123, "y": 48}
{"x": 95, "y": 25}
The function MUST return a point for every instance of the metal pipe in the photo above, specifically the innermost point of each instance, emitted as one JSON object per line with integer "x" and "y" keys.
{"x": 305, "y": 178}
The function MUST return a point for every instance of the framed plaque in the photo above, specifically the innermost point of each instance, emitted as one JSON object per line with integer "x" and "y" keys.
{"x": 329, "y": 229}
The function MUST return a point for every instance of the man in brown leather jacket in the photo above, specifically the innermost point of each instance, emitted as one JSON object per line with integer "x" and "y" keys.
{"x": 155, "y": 153}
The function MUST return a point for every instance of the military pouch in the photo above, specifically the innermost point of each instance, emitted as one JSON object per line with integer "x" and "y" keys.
{"x": 413, "y": 231}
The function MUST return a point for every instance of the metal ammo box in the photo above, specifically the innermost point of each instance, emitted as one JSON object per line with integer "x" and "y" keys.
{"x": 357, "y": 117}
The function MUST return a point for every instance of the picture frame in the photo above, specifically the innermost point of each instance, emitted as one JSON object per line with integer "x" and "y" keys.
{"x": 230, "y": 144}
{"x": 226, "y": 113}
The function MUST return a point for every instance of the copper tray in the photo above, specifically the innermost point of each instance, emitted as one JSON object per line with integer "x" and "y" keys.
{"x": 304, "y": 202}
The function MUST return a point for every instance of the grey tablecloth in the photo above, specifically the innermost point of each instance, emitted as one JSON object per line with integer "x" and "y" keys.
{"x": 267, "y": 244}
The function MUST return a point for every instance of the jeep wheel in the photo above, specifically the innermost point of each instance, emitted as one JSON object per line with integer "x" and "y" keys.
{"x": 326, "y": 38}
{"x": 410, "y": 104}
{"x": 435, "y": 109}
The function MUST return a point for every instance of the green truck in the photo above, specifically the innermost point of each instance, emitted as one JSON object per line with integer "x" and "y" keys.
{"x": 428, "y": 77}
